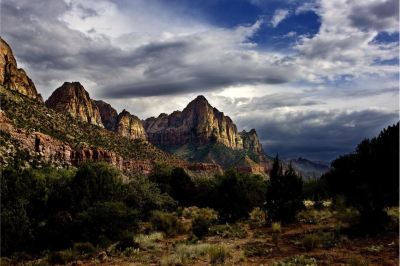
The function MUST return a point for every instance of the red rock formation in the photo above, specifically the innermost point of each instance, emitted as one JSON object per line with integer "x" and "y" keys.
{"x": 54, "y": 150}
{"x": 130, "y": 126}
{"x": 13, "y": 78}
{"x": 72, "y": 99}
{"x": 109, "y": 115}
{"x": 199, "y": 123}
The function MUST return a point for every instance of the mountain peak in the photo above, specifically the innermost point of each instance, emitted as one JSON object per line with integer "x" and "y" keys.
{"x": 72, "y": 99}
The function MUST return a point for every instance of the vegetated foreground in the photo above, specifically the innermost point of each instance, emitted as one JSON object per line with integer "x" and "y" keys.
{"x": 249, "y": 242}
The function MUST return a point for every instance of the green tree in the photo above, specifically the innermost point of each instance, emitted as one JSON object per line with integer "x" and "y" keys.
{"x": 284, "y": 197}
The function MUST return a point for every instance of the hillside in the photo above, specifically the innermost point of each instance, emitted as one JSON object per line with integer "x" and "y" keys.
{"x": 31, "y": 121}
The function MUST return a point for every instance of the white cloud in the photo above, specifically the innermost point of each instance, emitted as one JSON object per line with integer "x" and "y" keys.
{"x": 280, "y": 14}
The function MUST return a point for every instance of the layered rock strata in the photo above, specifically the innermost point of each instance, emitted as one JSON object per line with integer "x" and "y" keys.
{"x": 109, "y": 115}
{"x": 52, "y": 150}
{"x": 72, "y": 99}
{"x": 130, "y": 126}
{"x": 199, "y": 123}
{"x": 13, "y": 78}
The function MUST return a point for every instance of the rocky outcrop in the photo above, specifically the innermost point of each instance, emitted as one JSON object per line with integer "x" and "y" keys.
{"x": 130, "y": 126}
{"x": 52, "y": 150}
{"x": 72, "y": 99}
{"x": 109, "y": 115}
{"x": 249, "y": 166}
{"x": 124, "y": 124}
{"x": 251, "y": 141}
{"x": 199, "y": 124}
{"x": 13, "y": 78}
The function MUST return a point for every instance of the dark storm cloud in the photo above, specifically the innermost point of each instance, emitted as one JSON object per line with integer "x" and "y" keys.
{"x": 320, "y": 135}
{"x": 378, "y": 16}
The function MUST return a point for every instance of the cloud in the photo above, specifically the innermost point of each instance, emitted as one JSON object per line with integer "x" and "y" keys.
{"x": 290, "y": 34}
{"x": 280, "y": 14}
{"x": 345, "y": 43}
{"x": 316, "y": 134}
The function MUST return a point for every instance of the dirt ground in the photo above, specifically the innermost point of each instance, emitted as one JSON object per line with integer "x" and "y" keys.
{"x": 264, "y": 251}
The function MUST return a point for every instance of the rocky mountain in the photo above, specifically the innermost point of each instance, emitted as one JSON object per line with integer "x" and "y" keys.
{"x": 124, "y": 124}
{"x": 109, "y": 115}
{"x": 306, "y": 167}
{"x": 15, "y": 78}
{"x": 130, "y": 126}
{"x": 41, "y": 135}
{"x": 199, "y": 124}
{"x": 72, "y": 99}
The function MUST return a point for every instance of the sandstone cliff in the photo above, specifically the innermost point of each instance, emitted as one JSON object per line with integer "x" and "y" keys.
{"x": 13, "y": 78}
{"x": 130, "y": 126}
{"x": 61, "y": 153}
{"x": 109, "y": 115}
{"x": 199, "y": 124}
{"x": 124, "y": 124}
{"x": 72, "y": 99}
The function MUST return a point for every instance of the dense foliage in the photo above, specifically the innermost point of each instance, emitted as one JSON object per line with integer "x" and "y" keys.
{"x": 50, "y": 209}
{"x": 232, "y": 194}
{"x": 369, "y": 177}
{"x": 284, "y": 198}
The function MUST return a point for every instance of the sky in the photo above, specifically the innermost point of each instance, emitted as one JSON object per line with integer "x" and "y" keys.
{"x": 314, "y": 78}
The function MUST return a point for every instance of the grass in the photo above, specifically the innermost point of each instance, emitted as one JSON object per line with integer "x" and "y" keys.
{"x": 218, "y": 254}
{"x": 149, "y": 242}
{"x": 184, "y": 253}
{"x": 310, "y": 242}
{"x": 296, "y": 261}
{"x": 358, "y": 261}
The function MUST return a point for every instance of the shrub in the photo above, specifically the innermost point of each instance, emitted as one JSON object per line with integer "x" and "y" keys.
{"x": 276, "y": 227}
{"x": 218, "y": 254}
{"x": 228, "y": 231}
{"x": 166, "y": 222}
{"x": 84, "y": 248}
{"x": 110, "y": 219}
{"x": 149, "y": 242}
{"x": 311, "y": 241}
{"x": 200, "y": 227}
{"x": 126, "y": 241}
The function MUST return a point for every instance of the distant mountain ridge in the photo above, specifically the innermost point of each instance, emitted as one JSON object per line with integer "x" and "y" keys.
{"x": 309, "y": 168}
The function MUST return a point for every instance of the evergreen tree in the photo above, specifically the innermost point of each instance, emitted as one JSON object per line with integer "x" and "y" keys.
{"x": 284, "y": 197}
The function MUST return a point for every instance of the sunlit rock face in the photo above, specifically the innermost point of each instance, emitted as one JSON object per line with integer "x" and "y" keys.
{"x": 13, "y": 78}
{"x": 199, "y": 123}
{"x": 124, "y": 124}
{"x": 72, "y": 99}
{"x": 130, "y": 126}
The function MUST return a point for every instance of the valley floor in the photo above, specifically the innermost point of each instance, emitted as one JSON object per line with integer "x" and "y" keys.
{"x": 258, "y": 247}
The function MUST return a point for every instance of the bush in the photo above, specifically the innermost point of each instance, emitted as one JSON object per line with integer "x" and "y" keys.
{"x": 276, "y": 227}
{"x": 149, "y": 242}
{"x": 200, "y": 227}
{"x": 228, "y": 231}
{"x": 166, "y": 222}
{"x": 84, "y": 248}
{"x": 110, "y": 219}
{"x": 311, "y": 241}
{"x": 218, "y": 254}
{"x": 126, "y": 241}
